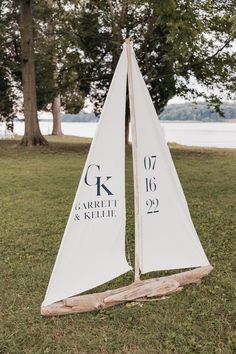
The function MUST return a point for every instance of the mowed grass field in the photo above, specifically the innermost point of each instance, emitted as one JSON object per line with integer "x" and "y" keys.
{"x": 37, "y": 187}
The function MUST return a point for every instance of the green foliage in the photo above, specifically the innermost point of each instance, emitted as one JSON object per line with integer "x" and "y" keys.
{"x": 9, "y": 61}
{"x": 36, "y": 197}
{"x": 6, "y": 97}
{"x": 183, "y": 48}
{"x": 44, "y": 81}
{"x": 53, "y": 43}
{"x": 54, "y": 55}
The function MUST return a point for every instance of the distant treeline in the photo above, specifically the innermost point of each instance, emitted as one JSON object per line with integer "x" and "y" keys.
{"x": 80, "y": 117}
{"x": 182, "y": 111}
{"x": 198, "y": 111}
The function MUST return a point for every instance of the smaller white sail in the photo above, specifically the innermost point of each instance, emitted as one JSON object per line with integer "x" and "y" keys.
{"x": 167, "y": 238}
{"x": 92, "y": 251}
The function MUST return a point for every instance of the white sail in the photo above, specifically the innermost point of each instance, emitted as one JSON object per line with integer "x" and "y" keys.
{"x": 166, "y": 236}
{"x": 92, "y": 251}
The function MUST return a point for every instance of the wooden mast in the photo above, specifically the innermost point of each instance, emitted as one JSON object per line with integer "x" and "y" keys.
{"x": 134, "y": 153}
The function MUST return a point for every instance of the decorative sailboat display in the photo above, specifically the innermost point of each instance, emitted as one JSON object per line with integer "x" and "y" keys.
{"x": 92, "y": 250}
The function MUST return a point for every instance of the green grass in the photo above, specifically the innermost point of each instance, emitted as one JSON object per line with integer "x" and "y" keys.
{"x": 37, "y": 187}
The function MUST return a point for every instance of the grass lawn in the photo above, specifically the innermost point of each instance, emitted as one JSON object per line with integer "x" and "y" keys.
{"x": 37, "y": 187}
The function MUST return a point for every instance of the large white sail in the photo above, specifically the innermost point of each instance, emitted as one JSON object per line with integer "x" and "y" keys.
{"x": 92, "y": 251}
{"x": 166, "y": 236}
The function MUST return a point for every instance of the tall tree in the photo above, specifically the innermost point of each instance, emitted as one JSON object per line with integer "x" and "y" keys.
{"x": 32, "y": 135}
{"x": 6, "y": 99}
{"x": 57, "y": 55}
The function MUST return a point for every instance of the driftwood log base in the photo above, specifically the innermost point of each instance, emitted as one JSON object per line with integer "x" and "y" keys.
{"x": 157, "y": 287}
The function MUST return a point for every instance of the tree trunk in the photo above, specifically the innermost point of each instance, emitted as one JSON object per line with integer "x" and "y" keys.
{"x": 56, "y": 101}
{"x": 127, "y": 118}
{"x": 32, "y": 135}
{"x": 56, "y": 113}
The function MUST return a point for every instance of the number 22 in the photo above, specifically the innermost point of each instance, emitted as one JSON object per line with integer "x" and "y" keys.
{"x": 152, "y": 205}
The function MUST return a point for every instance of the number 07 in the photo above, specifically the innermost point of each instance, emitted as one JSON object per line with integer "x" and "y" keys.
{"x": 150, "y": 162}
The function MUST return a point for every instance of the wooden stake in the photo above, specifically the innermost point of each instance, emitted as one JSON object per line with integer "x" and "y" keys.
{"x": 157, "y": 287}
{"x": 134, "y": 153}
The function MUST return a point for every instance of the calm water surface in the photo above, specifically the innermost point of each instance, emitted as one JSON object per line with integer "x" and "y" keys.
{"x": 222, "y": 135}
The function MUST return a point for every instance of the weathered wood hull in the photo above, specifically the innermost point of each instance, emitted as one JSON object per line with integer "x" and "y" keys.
{"x": 136, "y": 291}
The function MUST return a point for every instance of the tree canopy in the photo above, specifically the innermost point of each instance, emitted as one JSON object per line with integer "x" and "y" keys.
{"x": 184, "y": 48}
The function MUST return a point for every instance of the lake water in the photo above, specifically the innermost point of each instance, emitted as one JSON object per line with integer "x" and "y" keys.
{"x": 222, "y": 135}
